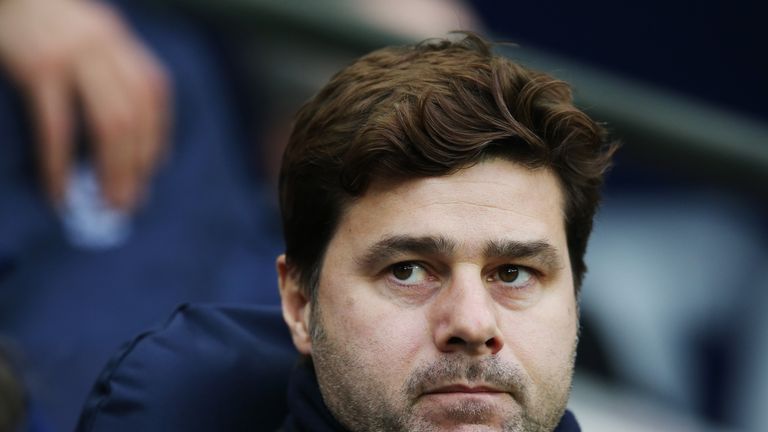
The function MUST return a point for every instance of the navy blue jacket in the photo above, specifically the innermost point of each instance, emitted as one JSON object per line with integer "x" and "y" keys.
{"x": 213, "y": 368}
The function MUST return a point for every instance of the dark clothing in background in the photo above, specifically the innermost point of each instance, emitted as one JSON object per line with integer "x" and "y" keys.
{"x": 205, "y": 233}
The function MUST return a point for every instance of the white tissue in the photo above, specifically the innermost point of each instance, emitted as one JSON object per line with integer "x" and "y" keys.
{"x": 88, "y": 220}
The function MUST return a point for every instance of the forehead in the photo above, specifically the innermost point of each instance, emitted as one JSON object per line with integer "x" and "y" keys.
{"x": 493, "y": 200}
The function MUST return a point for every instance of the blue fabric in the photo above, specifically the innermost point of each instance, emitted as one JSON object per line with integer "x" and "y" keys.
{"x": 35, "y": 421}
{"x": 568, "y": 423}
{"x": 206, "y": 233}
{"x": 210, "y": 368}
{"x": 214, "y": 368}
{"x": 308, "y": 411}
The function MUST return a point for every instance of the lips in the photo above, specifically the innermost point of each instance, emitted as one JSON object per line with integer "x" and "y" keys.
{"x": 460, "y": 388}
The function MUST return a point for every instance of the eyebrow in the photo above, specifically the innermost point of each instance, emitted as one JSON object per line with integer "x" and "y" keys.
{"x": 539, "y": 251}
{"x": 388, "y": 248}
{"x": 394, "y": 246}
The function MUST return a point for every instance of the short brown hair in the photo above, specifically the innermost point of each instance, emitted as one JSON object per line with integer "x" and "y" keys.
{"x": 427, "y": 110}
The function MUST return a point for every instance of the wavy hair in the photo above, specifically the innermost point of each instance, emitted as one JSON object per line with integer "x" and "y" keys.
{"x": 427, "y": 110}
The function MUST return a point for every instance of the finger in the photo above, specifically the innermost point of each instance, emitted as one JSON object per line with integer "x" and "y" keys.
{"x": 145, "y": 87}
{"x": 112, "y": 121}
{"x": 50, "y": 102}
{"x": 149, "y": 86}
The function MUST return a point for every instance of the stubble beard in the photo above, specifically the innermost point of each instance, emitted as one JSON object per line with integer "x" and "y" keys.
{"x": 362, "y": 404}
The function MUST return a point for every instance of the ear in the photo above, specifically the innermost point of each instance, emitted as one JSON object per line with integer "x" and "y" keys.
{"x": 296, "y": 306}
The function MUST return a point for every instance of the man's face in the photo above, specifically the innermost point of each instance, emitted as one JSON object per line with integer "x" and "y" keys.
{"x": 447, "y": 303}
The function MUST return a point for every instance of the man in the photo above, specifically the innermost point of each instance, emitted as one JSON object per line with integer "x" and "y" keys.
{"x": 436, "y": 202}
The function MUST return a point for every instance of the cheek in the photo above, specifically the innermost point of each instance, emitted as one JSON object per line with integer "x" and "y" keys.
{"x": 385, "y": 337}
{"x": 543, "y": 339}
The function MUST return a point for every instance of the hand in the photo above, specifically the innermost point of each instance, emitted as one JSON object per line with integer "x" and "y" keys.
{"x": 65, "y": 52}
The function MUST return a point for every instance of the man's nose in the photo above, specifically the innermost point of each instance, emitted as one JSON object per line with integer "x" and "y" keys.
{"x": 464, "y": 317}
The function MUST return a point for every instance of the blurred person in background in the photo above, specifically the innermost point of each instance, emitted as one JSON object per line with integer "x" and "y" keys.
{"x": 72, "y": 58}
{"x": 125, "y": 188}
{"x": 128, "y": 179}
{"x": 18, "y": 413}
{"x": 12, "y": 411}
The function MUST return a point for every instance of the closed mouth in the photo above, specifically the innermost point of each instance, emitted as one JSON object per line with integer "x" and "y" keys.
{"x": 461, "y": 388}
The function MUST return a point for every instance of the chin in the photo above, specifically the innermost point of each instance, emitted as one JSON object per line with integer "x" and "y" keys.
{"x": 472, "y": 413}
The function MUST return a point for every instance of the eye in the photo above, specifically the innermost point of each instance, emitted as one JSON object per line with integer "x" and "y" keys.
{"x": 513, "y": 276}
{"x": 409, "y": 273}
